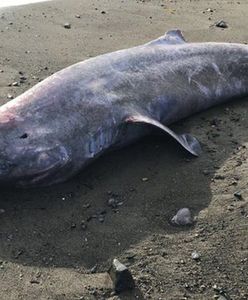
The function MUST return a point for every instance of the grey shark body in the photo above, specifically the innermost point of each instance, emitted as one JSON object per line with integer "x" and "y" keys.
{"x": 57, "y": 127}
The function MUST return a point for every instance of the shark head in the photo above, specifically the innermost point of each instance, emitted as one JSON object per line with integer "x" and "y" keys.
{"x": 29, "y": 153}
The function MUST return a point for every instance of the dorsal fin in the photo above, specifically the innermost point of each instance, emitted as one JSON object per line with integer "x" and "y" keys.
{"x": 171, "y": 37}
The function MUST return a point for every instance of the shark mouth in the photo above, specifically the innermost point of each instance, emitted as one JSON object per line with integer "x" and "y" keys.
{"x": 50, "y": 174}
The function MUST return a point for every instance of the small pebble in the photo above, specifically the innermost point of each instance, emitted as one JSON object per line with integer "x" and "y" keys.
{"x": 144, "y": 179}
{"x": 112, "y": 203}
{"x": 93, "y": 269}
{"x": 183, "y": 217}
{"x": 101, "y": 218}
{"x": 202, "y": 287}
{"x": 32, "y": 281}
{"x": 73, "y": 226}
{"x": 87, "y": 205}
{"x": 15, "y": 83}
{"x": 77, "y": 16}
{"x": 9, "y": 96}
{"x": 67, "y": 25}
{"x": 221, "y": 24}
{"x": 195, "y": 255}
{"x": 83, "y": 225}
{"x": 238, "y": 195}
{"x": 121, "y": 277}
{"x": 217, "y": 288}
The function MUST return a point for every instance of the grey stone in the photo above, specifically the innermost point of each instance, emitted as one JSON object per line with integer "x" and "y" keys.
{"x": 183, "y": 217}
{"x": 221, "y": 24}
{"x": 121, "y": 277}
{"x": 67, "y": 25}
{"x": 112, "y": 203}
{"x": 238, "y": 195}
{"x": 93, "y": 269}
{"x": 195, "y": 255}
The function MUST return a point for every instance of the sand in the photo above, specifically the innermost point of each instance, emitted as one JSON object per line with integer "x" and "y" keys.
{"x": 50, "y": 239}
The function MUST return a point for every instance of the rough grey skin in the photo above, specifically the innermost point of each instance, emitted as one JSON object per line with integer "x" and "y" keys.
{"x": 57, "y": 127}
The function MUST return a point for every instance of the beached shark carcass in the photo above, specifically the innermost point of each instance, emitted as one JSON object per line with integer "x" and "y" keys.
{"x": 61, "y": 124}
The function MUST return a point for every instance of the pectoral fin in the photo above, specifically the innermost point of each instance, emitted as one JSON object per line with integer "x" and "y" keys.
{"x": 188, "y": 142}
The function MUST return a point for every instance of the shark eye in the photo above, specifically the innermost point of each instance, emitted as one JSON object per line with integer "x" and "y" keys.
{"x": 24, "y": 136}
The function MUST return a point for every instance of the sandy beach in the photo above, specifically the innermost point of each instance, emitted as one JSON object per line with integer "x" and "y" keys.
{"x": 58, "y": 242}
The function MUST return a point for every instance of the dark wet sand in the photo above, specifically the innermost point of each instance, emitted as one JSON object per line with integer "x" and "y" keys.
{"x": 45, "y": 252}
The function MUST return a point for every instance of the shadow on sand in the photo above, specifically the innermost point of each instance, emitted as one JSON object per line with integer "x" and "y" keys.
{"x": 71, "y": 224}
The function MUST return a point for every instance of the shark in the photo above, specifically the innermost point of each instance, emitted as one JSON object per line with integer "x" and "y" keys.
{"x": 60, "y": 125}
